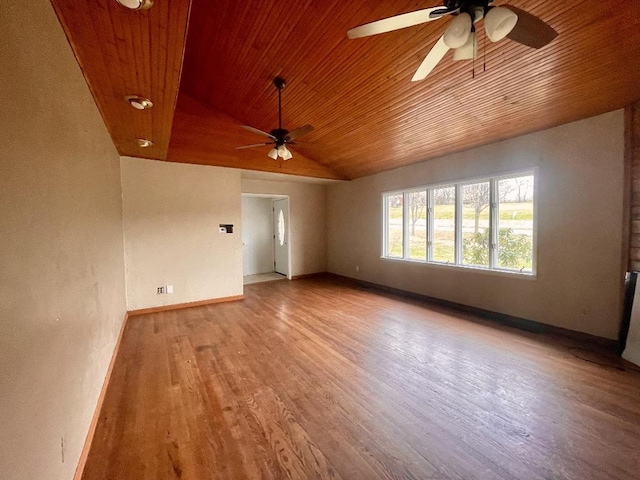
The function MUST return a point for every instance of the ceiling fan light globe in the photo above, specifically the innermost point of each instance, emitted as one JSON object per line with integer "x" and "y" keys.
{"x": 458, "y": 31}
{"x": 282, "y": 150}
{"x": 136, "y": 4}
{"x": 498, "y": 23}
{"x": 468, "y": 51}
{"x": 287, "y": 154}
{"x": 273, "y": 154}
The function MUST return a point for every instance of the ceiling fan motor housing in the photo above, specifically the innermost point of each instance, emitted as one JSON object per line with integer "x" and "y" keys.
{"x": 280, "y": 134}
{"x": 466, "y": 5}
{"x": 279, "y": 83}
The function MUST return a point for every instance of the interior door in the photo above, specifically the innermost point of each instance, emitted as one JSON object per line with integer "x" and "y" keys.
{"x": 281, "y": 233}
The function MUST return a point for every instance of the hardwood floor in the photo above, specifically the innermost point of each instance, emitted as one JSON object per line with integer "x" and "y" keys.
{"x": 262, "y": 277}
{"x": 320, "y": 379}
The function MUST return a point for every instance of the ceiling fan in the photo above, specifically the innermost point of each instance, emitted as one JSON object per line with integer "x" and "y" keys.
{"x": 499, "y": 22}
{"x": 280, "y": 137}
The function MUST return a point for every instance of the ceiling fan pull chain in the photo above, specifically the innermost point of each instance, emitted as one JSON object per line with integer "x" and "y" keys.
{"x": 484, "y": 52}
{"x": 474, "y": 50}
{"x": 473, "y": 58}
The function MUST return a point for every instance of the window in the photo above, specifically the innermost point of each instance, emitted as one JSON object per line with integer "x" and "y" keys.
{"x": 394, "y": 216}
{"x": 476, "y": 198}
{"x": 515, "y": 223}
{"x": 281, "y": 230}
{"x": 443, "y": 225}
{"x": 418, "y": 225}
{"x": 487, "y": 223}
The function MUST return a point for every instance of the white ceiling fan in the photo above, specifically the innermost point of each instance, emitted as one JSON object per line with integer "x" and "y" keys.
{"x": 499, "y": 22}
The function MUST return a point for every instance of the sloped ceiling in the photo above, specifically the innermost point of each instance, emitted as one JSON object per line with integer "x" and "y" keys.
{"x": 368, "y": 115}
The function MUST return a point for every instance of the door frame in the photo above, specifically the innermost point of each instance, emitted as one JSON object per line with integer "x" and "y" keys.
{"x": 287, "y": 219}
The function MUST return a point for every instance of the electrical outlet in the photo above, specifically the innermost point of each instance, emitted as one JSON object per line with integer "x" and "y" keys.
{"x": 160, "y": 290}
{"x": 357, "y": 268}
{"x": 169, "y": 289}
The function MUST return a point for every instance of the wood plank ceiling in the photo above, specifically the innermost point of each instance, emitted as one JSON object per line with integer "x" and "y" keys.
{"x": 368, "y": 115}
{"x": 123, "y": 52}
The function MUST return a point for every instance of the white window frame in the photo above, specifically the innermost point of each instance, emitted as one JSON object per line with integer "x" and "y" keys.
{"x": 493, "y": 223}
{"x": 385, "y": 214}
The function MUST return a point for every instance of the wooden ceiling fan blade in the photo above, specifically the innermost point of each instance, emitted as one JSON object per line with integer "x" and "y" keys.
{"x": 259, "y": 132}
{"x": 398, "y": 21}
{"x": 299, "y": 132}
{"x": 254, "y": 145}
{"x": 530, "y": 30}
{"x": 431, "y": 60}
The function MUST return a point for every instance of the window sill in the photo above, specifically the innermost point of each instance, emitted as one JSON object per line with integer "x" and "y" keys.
{"x": 485, "y": 271}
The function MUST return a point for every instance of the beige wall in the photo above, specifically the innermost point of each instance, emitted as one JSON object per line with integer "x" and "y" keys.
{"x": 307, "y": 213}
{"x": 61, "y": 263}
{"x": 172, "y": 213}
{"x": 579, "y": 280}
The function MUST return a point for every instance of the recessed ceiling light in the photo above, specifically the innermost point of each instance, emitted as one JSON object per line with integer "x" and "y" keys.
{"x": 136, "y": 4}
{"x": 139, "y": 103}
{"x": 144, "y": 143}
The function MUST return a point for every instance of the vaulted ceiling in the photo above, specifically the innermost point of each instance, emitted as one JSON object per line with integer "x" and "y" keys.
{"x": 208, "y": 67}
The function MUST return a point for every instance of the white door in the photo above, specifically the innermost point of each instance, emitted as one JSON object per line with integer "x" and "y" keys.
{"x": 281, "y": 231}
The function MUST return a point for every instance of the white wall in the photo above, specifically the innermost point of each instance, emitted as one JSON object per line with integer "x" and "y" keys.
{"x": 172, "y": 213}
{"x": 580, "y": 275}
{"x": 257, "y": 235}
{"x": 62, "y": 295}
{"x": 307, "y": 214}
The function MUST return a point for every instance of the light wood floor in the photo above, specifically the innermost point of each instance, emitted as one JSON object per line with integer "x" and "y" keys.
{"x": 262, "y": 277}
{"x": 315, "y": 379}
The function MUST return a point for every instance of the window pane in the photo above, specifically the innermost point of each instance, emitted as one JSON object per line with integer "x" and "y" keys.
{"x": 475, "y": 224}
{"x": 515, "y": 223}
{"x": 281, "y": 230}
{"x": 394, "y": 225}
{"x": 418, "y": 225}
{"x": 444, "y": 222}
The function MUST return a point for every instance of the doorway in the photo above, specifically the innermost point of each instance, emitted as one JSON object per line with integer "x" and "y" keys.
{"x": 265, "y": 238}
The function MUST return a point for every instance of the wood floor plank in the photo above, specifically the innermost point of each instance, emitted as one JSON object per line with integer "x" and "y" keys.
{"x": 322, "y": 378}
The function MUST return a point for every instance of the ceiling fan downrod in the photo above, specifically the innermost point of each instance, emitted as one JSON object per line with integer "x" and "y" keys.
{"x": 280, "y": 84}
